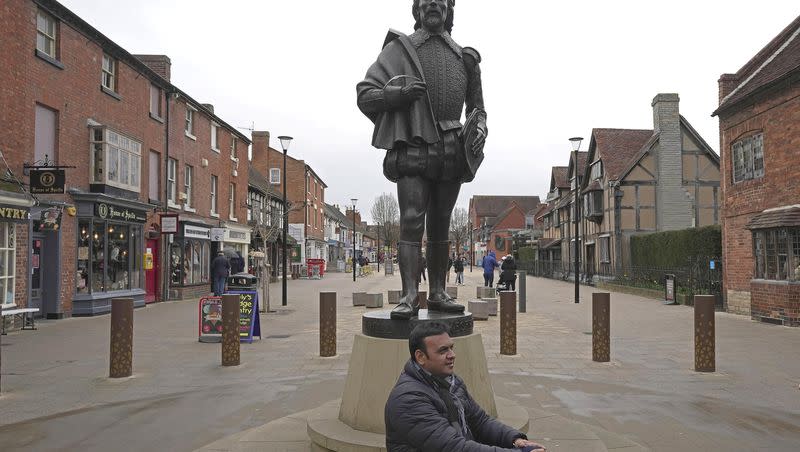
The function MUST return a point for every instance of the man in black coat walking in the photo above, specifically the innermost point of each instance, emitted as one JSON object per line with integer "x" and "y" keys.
{"x": 430, "y": 409}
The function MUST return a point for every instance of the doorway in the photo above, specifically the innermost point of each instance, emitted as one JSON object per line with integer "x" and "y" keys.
{"x": 151, "y": 276}
{"x": 45, "y": 268}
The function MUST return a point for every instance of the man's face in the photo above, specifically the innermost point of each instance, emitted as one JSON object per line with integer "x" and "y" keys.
{"x": 439, "y": 357}
{"x": 432, "y": 14}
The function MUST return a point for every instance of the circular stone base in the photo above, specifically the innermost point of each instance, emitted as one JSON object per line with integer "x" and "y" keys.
{"x": 381, "y": 325}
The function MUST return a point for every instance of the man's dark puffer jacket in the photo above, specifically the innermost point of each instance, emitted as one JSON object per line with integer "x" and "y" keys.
{"x": 416, "y": 420}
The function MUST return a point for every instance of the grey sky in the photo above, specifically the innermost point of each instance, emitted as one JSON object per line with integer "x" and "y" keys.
{"x": 550, "y": 71}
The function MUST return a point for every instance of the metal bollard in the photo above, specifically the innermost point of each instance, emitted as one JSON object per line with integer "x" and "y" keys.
{"x": 601, "y": 327}
{"x": 121, "y": 352}
{"x": 327, "y": 324}
{"x": 508, "y": 323}
{"x": 704, "y": 333}
{"x": 522, "y": 290}
{"x": 230, "y": 330}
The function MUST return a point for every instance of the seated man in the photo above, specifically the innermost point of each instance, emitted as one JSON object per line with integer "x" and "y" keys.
{"x": 429, "y": 408}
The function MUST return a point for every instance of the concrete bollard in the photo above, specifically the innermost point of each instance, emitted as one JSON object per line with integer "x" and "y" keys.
{"x": 479, "y": 309}
{"x": 601, "y": 327}
{"x": 394, "y": 296}
{"x": 487, "y": 292}
{"x": 422, "y": 299}
{"x": 359, "y": 298}
{"x": 327, "y": 324}
{"x": 508, "y": 323}
{"x": 452, "y": 291}
{"x": 522, "y": 290}
{"x": 491, "y": 304}
{"x": 121, "y": 354}
{"x": 230, "y": 330}
{"x": 373, "y": 300}
{"x": 704, "y": 333}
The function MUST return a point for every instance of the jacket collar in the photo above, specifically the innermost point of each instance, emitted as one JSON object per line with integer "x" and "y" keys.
{"x": 420, "y": 36}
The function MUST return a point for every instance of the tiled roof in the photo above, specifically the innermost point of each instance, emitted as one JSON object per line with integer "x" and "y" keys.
{"x": 547, "y": 243}
{"x": 559, "y": 177}
{"x": 493, "y": 206}
{"x": 582, "y": 155}
{"x": 616, "y": 147}
{"x": 774, "y": 218}
{"x": 260, "y": 183}
{"x": 337, "y": 214}
{"x": 777, "y": 60}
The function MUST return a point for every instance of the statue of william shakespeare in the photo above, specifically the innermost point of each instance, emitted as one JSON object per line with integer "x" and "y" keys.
{"x": 414, "y": 94}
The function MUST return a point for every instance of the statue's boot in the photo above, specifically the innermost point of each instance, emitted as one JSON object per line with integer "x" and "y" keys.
{"x": 438, "y": 254}
{"x": 409, "y": 255}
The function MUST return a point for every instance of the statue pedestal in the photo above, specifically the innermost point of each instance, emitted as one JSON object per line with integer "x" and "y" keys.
{"x": 356, "y": 422}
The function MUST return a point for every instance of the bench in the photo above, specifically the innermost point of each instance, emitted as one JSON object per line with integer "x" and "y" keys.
{"x": 26, "y": 314}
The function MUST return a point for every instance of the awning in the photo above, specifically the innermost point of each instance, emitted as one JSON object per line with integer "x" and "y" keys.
{"x": 776, "y": 218}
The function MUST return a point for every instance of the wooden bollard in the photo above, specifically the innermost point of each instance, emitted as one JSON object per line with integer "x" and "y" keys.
{"x": 601, "y": 327}
{"x": 121, "y": 354}
{"x": 508, "y": 323}
{"x": 230, "y": 330}
{"x": 422, "y": 299}
{"x": 327, "y": 324}
{"x": 704, "y": 333}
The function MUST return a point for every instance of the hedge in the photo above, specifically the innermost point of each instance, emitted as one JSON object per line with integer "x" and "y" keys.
{"x": 526, "y": 254}
{"x": 676, "y": 248}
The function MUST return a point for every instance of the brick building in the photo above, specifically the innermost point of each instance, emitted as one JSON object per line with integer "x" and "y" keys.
{"x": 501, "y": 236}
{"x": 484, "y": 213}
{"x": 305, "y": 194}
{"x": 73, "y": 97}
{"x": 759, "y": 120}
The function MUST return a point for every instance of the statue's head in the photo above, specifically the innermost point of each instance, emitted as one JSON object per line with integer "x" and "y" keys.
{"x": 433, "y": 15}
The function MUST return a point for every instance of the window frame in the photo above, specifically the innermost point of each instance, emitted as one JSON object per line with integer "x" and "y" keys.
{"x": 172, "y": 181}
{"x": 776, "y": 253}
{"x": 51, "y": 39}
{"x": 109, "y": 75}
{"x": 188, "y": 181}
{"x": 215, "y": 137}
{"x": 156, "y": 113}
{"x": 747, "y": 158}
{"x": 105, "y": 146}
{"x": 8, "y": 252}
{"x": 232, "y": 201}
{"x": 188, "y": 126}
{"x": 214, "y": 210}
{"x": 273, "y": 172}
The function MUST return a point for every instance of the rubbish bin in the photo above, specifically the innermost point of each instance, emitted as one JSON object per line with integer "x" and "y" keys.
{"x": 242, "y": 281}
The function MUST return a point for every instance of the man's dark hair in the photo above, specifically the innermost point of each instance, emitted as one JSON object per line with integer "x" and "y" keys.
{"x": 416, "y": 340}
{"x": 448, "y": 22}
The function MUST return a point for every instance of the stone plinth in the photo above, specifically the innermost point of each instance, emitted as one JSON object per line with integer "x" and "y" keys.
{"x": 373, "y": 300}
{"x": 492, "y": 305}
{"x": 359, "y": 298}
{"x": 394, "y": 296}
{"x": 380, "y": 324}
{"x": 479, "y": 309}
{"x": 375, "y": 365}
{"x": 452, "y": 291}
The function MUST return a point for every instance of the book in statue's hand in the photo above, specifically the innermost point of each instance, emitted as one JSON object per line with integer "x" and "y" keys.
{"x": 469, "y": 133}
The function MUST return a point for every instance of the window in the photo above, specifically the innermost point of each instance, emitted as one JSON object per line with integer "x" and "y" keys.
{"x": 597, "y": 170}
{"x": 154, "y": 176}
{"x": 187, "y": 185}
{"x": 172, "y": 177}
{"x": 275, "y": 176}
{"x": 748, "y": 158}
{"x": 44, "y": 147}
{"x": 605, "y": 245}
{"x": 233, "y": 147}
{"x": 109, "y": 256}
{"x": 116, "y": 159}
{"x": 777, "y": 253}
{"x": 155, "y": 102}
{"x": 189, "y": 126}
{"x": 190, "y": 262}
{"x": 46, "y": 41}
{"x": 214, "y": 137}
{"x": 593, "y": 204}
{"x": 8, "y": 250}
{"x": 109, "y": 75}
{"x": 232, "y": 202}
{"x": 214, "y": 185}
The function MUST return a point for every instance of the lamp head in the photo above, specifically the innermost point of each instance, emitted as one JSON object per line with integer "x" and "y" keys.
{"x": 285, "y": 142}
{"x": 576, "y": 143}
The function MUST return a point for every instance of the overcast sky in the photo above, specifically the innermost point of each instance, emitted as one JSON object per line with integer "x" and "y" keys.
{"x": 550, "y": 71}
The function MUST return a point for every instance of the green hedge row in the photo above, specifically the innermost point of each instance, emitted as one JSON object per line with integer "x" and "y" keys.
{"x": 676, "y": 248}
{"x": 526, "y": 254}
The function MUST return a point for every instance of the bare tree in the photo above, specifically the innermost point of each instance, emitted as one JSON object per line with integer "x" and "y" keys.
{"x": 386, "y": 215}
{"x": 459, "y": 227}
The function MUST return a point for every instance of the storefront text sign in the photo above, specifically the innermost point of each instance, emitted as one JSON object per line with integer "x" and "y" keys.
{"x": 110, "y": 212}
{"x": 249, "y": 321}
{"x": 46, "y": 182}
{"x": 14, "y": 213}
{"x": 169, "y": 223}
{"x": 196, "y": 232}
{"x": 210, "y": 318}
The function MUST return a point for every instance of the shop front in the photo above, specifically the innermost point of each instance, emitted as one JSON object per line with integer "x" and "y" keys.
{"x": 190, "y": 261}
{"x": 236, "y": 244}
{"x": 108, "y": 253}
{"x": 14, "y": 223}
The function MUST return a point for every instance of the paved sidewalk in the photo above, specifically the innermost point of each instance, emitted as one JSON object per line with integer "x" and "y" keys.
{"x": 56, "y": 395}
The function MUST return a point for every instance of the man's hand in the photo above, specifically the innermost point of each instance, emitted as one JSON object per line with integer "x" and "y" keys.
{"x": 519, "y": 443}
{"x": 400, "y": 96}
{"x": 479, "y": 139}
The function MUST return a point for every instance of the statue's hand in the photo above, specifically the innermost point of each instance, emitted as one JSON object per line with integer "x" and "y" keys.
{"x": 480, "y": 139}
{"x": 401, "y": 96}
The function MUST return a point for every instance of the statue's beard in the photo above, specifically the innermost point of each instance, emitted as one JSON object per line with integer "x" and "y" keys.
{"x": 433, "y": 21}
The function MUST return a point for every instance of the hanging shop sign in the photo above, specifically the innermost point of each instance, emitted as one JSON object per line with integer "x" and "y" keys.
{"x": 169, "y": 223}
{"x": 217, "y": 234}
{"x": 196, "y": 232}
{"x": 110, "y": 212}
{"x": 47, "y": 181}
{"x": 16, "y": 214}
{"x": 50, "y": 219}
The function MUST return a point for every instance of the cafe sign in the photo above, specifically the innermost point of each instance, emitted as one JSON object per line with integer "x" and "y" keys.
{"x": 16, "y": 214}
{"x": 47, "y": 181}
{"x": 110, "y": 212}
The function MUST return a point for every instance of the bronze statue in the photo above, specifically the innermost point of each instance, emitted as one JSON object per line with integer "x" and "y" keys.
{"x": 414, "y": 94}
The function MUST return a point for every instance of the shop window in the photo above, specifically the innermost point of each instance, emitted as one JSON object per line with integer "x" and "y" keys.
{"x": 116, "y": 159}
{"x": 84, "y": 247}
{"x": 7, "y": 262}
{"x": 190, "y": 264}
{"x": 135, "y": 256}
{"x": 777, "y": 253}
{"x": 118, "y": 257}
{"x": 176, "y": 267}
{"x": 98, "y": 257}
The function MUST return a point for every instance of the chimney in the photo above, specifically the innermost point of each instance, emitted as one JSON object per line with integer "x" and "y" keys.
{"x": 160, "y": 64}
{"x": 209, "y": 107}
{"x": 727, "y": 83}
{"x": 260, "y": 157}
{"x": 673, "y": 211}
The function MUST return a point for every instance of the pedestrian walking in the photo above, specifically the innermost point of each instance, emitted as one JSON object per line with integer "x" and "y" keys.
{"x": 220, "y": 269}
{"x": 458, "y": 266}
{"x": 489, "y": 264}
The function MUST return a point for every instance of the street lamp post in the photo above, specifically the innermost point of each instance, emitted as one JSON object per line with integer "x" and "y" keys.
{"x": 576, "y": 145}
{"x": 471, "y": 249}
{"x": 285, "y": 142}
{"x": 354, "y": 238}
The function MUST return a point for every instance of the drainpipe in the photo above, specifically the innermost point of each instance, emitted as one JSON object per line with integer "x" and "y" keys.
{"x": 617, "y": 229}
{"x": 165, "y": 259}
